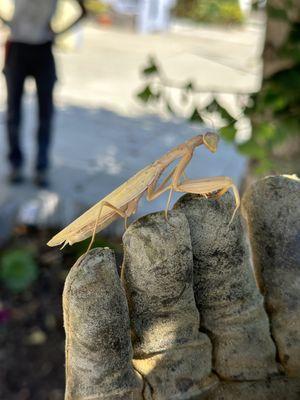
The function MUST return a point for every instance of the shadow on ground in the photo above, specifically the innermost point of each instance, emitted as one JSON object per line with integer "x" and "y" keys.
{"x": 94, "y": 151}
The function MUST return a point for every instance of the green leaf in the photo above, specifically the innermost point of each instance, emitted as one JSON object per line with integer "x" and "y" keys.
{"x": 264, "y": 134}
{"x": 226, "y": 116}
{"x": 252, "y": 149}
{"x": 263, "y": 166}
{"x": 196, "y": 116}
{"x": 277, "y": 13}
{"x": 214, "y": 106}
{"x": 151, "y": 68}
{"x": 145, "y": 95}
{"x": 18, "y": 270}
{"x": 228, "y": 133}
{"x": 189, "y": 87}
{"x": 275, "y": 100}
{"x": 170, "y": 108}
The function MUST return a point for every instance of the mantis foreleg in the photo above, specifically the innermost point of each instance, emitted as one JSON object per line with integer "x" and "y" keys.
{"x": 220, "y": 184}
{"x": 153, "y": 192}
{"x": 175, "y": 174}
{"x": 185, "y": 175}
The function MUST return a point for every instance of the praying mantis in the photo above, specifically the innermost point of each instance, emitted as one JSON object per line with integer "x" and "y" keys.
{"x": 123, "y": 201}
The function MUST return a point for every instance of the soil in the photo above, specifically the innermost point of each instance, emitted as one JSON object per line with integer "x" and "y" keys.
{"x": 31, "y": 325}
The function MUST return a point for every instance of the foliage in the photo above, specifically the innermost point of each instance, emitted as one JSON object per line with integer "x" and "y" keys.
{"x": 274, "y": 111}
{"x": 225, "y": 11}
{"x": 96, "y": 6}
{"x": 18, "y": 269}
{"x": 156, "y": 90}
{"x": 275, "y": 117}
{"x": 276, "y": 108}
{"x": 100, "y": 241}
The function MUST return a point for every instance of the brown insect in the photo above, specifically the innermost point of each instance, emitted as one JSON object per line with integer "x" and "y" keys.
{"x": 123, "y": 201}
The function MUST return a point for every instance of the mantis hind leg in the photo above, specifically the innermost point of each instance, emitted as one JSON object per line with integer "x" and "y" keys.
{"x": 168, "y": 203}
{"x": 153, "y": 195}
{"x": 131, "y": 209}
{"x": 104, "y": 204}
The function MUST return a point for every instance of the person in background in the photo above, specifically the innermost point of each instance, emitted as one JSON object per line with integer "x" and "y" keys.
{"x": 29, "y": 53}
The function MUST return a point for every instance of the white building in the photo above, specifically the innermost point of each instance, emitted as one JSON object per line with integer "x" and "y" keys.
{"x": 151, "y": 15}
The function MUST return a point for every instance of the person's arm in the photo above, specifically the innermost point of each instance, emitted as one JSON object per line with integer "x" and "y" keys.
{"x": 81, "y": 16}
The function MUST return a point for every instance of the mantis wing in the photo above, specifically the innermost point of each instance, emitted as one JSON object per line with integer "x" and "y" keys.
{"x": 83, "y": 226}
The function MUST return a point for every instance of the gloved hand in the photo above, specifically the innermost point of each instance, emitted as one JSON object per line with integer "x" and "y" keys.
{"x": 188, "y": 320}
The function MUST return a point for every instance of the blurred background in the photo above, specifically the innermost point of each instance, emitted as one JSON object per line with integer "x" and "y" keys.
{"x": 135, "y": 78}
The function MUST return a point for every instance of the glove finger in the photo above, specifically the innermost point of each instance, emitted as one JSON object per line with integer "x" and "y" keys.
{"x": 276, "y": 389}
{"x": 273, "y": 212}
{"x": 226, "y": 293}
{"x": 98, "y": 346}
{"x": 169, "y": 352}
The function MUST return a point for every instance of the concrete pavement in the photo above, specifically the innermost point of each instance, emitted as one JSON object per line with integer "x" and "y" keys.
{"x": 103, "y": 135}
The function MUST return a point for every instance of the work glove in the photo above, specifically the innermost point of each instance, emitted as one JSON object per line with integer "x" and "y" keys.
{"x": 204, "y": 309}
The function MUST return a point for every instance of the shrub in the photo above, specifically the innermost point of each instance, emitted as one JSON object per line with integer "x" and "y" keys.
{"x": 18, "y": 269}
{"x": 216, "y": 11}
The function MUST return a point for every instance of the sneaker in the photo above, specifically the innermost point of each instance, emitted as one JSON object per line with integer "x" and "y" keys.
{"x": 15, "y": 177}
{"x": 41, "y": 179}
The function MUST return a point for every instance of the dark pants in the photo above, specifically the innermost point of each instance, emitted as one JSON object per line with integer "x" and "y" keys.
{"x": 23, "y": 60}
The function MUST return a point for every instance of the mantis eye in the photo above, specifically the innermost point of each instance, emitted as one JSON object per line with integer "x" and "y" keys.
{"x": 211, "y": 140}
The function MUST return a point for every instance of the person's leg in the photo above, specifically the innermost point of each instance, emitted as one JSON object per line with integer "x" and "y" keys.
{"x": 45, "y": 79}
{"x": 15, "y": 76}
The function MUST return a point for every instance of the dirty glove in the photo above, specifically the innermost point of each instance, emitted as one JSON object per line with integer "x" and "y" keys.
{"x": 190, "y": 318}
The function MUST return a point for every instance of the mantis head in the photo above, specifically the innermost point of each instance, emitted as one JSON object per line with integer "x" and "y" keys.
{"x": 211, "y": 140}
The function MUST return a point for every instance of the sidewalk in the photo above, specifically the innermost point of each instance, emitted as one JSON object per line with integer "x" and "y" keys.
{"x": 103, "y": 135}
